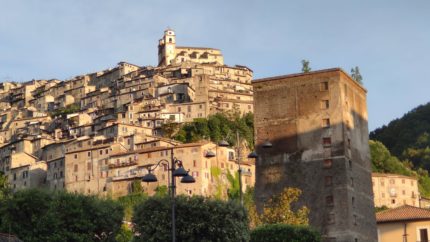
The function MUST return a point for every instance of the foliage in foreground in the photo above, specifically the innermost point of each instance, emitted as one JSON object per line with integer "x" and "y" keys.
{"x": 284, "y": 232}
{"x": 197, "y": 219}
{"x": 37, "y": 215}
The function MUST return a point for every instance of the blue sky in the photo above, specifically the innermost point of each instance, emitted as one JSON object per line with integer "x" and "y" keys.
{"x": 388, "y": 39}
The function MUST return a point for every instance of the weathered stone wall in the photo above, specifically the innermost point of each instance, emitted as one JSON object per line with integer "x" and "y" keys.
{"x": 317, "y": 123}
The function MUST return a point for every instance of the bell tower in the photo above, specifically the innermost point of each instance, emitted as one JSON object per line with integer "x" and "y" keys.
{"x": 166, "y": 48}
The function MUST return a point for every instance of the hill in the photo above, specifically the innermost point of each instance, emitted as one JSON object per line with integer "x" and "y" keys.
{"x": 408, "y": 137}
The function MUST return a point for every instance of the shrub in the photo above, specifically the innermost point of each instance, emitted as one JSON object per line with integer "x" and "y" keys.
{"x": 37, "y": 215}
{"x": 283, "y": 233}
{"x": 197, "y": 219}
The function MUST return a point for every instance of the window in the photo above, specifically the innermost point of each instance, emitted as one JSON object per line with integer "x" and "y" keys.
{"x": 323, "y": 86}
{"x": 328, "y": 180}
{"x": 75, "y": 168}
{"x": 76, "y": 156}
{"x": 328, "y": 163}
{"x": 89, "y": 153}
{"x": 89, "y": 166}
{"x": 325, "y": 123}
{"x": 423, "y": 235}
{"x": 325, "y": 104}
{"x": 353, "y": 202}
{"x": 326, "y": 141}
{"x": 393, "y": 201}
{"x": 194, "y": 163}
{"x": 329, "y": 200}
{"x": 330, "y": 218}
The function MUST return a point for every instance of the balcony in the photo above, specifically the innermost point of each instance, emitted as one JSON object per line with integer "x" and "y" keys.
{"x": 124, "y": 164}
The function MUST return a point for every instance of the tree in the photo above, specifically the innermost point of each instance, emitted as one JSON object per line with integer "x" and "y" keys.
{"x": 284, "y": 232}
{"x": 305, "y": 66}
{"x": 161, "y": 191}
{"x": 278, "y": 209}
{"x": 37, "y": 215}
{"x": 218, "y": 127}
{"x": 5, "y": 190}
{"x": 355, "y": 74}
{"x": 249, "y": 203}
{"x": 125, "y": 234}
{"x": 233, "y": 191}
{"x": 136, "y": 187}
{"x": 197, "y": 219}
{"x": 170, "y": 129}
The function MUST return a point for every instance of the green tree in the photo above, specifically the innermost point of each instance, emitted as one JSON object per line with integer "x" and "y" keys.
{"x": 233, "y": 191}
{"x": 125, "y": 234}
{"x": 305, "y": 66}
{"x": 284, "y": 232}
{"x": 37, "y": 215}
{"x": 129, "y": 201}
{"x": 198, "y": 219}
{"x": 136, "y": 187}
{"x": 217, "y": 127}
{"x": 161, "y": 191}
{"x": 356, "y": 75}
{"x": 5, "y": 190}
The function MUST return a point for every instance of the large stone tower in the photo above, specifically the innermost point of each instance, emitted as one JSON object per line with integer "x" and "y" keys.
{"x": 317, "y": 123}
{"x": 166, "y": 48}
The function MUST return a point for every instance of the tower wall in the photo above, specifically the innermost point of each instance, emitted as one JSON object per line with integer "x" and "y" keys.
{"x": 317, "y": 123}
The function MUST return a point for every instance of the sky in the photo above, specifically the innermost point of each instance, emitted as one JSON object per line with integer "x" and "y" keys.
{"x": 388, "y": 39}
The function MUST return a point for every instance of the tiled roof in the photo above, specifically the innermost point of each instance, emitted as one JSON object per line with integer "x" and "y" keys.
{"x": 403, "y": 213}
{"x": 389, "y": 175}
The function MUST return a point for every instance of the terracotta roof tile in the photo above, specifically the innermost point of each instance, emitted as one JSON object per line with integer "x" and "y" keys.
{"x": 403, "y": 213}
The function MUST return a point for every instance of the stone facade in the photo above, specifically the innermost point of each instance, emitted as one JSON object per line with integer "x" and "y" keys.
{"x": 64, "y": 135}
{"x": 317, "y": 123}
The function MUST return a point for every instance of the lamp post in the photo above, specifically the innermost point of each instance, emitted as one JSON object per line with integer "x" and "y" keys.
{"x": 253, "y": 155}
{"x": 180, "y": 172}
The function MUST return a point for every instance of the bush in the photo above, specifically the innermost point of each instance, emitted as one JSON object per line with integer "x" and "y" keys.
{"x": 197, "y": 219}
{"x": 36, "y": 215}
{"x": 283, "y": 233}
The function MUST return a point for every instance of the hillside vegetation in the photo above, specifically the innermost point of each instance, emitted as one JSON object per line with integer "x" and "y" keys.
{"x": 220, "y": 126}
{"x": 384, "y": 162}
{"x": 408, "y": 137}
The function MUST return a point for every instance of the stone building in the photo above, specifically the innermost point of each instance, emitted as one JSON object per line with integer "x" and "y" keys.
{"x": 169, "y": 53}
{"x": 317, "y": 123}
{"x": 392, "y": 190}
{"x": 61, "y": 134}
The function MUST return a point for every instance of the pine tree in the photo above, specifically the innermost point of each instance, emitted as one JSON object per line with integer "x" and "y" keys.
{"x": 305, "y": 66}
{"x": 356, "y": 75}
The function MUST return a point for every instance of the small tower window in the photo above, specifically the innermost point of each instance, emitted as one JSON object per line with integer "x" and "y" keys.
{"x": 170, "y": 40}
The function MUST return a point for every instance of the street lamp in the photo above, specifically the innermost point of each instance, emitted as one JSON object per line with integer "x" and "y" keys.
{"x": 179, "y": 172}
{"x": 252, "y": 155}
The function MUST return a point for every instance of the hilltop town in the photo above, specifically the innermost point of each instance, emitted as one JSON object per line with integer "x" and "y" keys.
{"x": 101, "y": 133}
{"x": 97, "y": 133}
